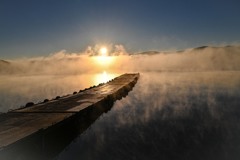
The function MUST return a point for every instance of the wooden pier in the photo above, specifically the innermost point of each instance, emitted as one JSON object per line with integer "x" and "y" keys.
{"x": 21, "y": 124}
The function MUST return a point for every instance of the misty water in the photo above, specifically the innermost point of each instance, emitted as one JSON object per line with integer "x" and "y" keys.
{"x": 167, "y": 115}
{"x": 17, "y": 90}
{"x": 171, "y": 115}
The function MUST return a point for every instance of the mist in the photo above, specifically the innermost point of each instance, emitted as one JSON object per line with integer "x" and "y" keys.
{"x": 168, "y": 115}
{"x": 61, "y": 73}
{"x": 184, "y": 106}
{"x": 64, "y": 63}
{"x": 198, "y": 59}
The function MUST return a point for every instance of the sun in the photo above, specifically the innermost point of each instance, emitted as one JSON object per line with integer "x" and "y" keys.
{"x": 103, "y": 51}
{"x": 104, "y": 59}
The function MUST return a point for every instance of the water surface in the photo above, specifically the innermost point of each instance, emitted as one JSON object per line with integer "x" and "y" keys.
{"x": 17, "y": 90}
{"x": 174, "y": 115}
{"x": 168, "y": 115}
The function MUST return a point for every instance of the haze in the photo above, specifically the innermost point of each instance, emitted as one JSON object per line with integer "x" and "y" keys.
{"x": 185, "y": 104}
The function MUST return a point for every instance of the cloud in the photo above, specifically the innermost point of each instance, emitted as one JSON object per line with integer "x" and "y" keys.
{"x": 199, "y": 59}
{"x": 49, "y": 75}
{"x": 62, "y": 62}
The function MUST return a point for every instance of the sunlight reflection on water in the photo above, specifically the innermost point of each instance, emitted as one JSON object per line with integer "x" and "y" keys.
{"x": 18, "y": 90}
{"x": 168, "y": 116}
{"x": 103, "y": 77}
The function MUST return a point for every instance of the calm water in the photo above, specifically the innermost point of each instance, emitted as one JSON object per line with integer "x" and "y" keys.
{"x": 168, "y": 116}
{"x": 16, "y": 91}
{"x": 175, "y": 115}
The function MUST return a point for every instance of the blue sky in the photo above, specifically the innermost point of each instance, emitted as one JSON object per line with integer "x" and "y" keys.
{"x": 30, "y": 28}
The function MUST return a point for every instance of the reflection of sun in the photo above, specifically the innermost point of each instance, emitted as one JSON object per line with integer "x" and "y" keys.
{"x": 104, "y": 77}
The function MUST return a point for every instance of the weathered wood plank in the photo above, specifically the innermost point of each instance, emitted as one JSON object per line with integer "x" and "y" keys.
{"x": 21, "y": 123}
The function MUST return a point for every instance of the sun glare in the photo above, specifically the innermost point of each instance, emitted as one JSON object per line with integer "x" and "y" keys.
{"x": 104, "y": 77}
{"x": 103, "y": 51}
{"x": 103, "y": 57}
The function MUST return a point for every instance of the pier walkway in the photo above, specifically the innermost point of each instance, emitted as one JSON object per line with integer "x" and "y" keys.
{"x": 22, "y": 123}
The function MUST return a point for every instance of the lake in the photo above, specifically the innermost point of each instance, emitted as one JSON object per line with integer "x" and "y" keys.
{"x": 17, "y": 90}
{"x": 167, "y": 115}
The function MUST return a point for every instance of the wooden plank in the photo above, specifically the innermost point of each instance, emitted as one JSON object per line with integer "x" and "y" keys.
{"x": 24, "y": 122}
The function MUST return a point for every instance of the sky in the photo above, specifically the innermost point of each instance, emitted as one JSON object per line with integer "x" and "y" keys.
{"x": 30, "y": 28}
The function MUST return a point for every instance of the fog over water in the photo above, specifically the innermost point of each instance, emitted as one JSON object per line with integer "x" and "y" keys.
{"x": 17, "y": 90}
{"x": 168, "y": 116}
{"x": 184, "y": 106}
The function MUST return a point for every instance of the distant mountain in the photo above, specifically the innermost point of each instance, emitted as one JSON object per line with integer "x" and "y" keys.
{"x": 182, "y": 51}
{"x": 3, "y": 62}
{"x": 4, "y": 66}
{"x": 212, "y": 47}
{"x": 200, "y": 48}
{"x": 148, "y": 53}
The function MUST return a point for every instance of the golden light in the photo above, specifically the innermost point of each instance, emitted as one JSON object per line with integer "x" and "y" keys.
{"x": 103, "y": 59}
{"x": 104, "y": 77}
{"x": 103, "y": 51}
